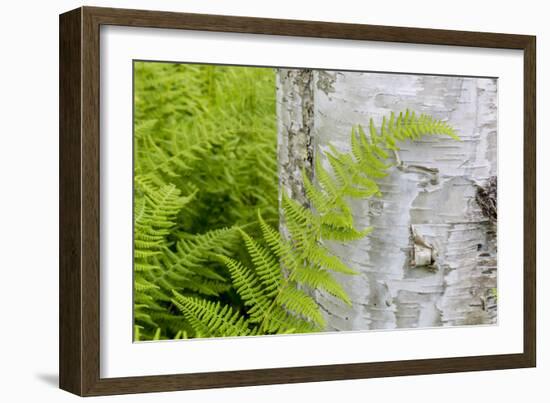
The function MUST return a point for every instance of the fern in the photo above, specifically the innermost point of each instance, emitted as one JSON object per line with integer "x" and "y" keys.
{"x": 209, "y": 132}
{"x": 154, "y": 216}
{"x": 355, "y": 174}
{"x": 274, "y": 301}
{"x": 212, "y": 318}
{"x": 212, "y": 127}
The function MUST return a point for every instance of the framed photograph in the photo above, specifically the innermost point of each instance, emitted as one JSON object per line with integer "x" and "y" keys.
{"x": 249, "y": 201}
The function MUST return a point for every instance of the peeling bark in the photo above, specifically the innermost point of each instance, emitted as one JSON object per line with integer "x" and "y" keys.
{"x": 432, "y": 196}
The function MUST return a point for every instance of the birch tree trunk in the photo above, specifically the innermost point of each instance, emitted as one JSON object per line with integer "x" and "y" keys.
{"x": 431, "y": 259}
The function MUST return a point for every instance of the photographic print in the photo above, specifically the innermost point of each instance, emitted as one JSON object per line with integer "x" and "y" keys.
{"x": 290, "y": 200}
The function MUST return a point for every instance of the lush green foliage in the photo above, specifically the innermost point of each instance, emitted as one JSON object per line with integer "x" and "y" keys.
{"x": 205, "y": 162}
{"x": 207, "y": 259}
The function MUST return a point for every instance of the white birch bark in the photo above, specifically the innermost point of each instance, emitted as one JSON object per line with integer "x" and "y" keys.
{"x": 433, "y": 197}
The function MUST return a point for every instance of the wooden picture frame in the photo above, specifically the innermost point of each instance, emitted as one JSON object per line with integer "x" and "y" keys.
{"x": 79, "y": 346}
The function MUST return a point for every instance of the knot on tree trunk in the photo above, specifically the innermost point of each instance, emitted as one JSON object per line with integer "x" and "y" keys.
{"x": 486, "y": 197}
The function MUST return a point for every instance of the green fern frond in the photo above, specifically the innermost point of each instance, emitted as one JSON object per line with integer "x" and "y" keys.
{"x": 249, "y": 288}
{"x": 316, "y": 196}
{"x": 319, "y": 256}
{"x": 142, "y": 285}
{"x": 300, "y": 303}
{"x": 344, "y": 234}
{"x": 280, "y": 247}
{"x": 193, "y": 252}
{"x": 266, "y": 266}
{"x": 317, "y": 278}
{"x": 296, "y": 213}
{"x": 154, "y": 216}
{"x": 211, "y": 318}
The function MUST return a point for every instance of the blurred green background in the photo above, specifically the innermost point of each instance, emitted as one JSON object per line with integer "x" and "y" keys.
{"x": 208, "y": 132}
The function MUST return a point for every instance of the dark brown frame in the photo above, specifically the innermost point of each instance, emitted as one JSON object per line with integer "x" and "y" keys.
{"x": 79, "y": 200}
